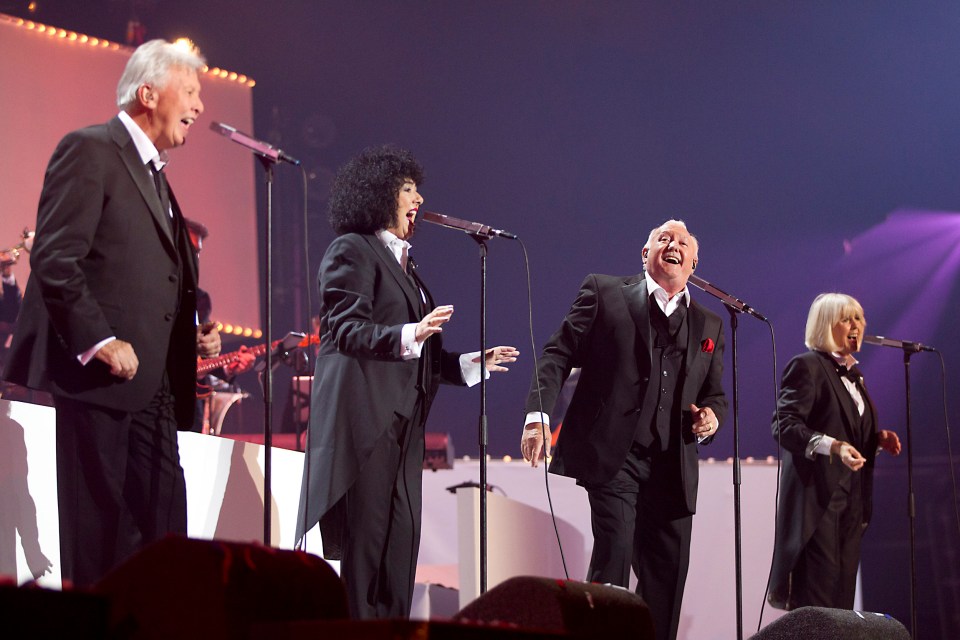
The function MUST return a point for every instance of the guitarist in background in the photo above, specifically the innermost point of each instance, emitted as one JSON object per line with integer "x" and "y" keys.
{"x": 10, "y": 299}
{"x": 225, "y": 375}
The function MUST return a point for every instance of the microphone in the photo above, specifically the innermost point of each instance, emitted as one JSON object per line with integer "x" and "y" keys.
{"x": 726, "y": 298}
{"x": 259, "y": 147}
{"x": 469, "y": 484}
{"x": 473, "y": 228}
{"x": 909, "y": 347}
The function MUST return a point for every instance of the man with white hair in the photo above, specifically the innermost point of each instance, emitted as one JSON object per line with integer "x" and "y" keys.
{"x": 649, "y": 393}
{"x": 108, "y": 324}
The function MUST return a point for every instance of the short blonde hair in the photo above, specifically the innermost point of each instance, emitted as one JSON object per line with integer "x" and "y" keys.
{"x": 826, "y": 311}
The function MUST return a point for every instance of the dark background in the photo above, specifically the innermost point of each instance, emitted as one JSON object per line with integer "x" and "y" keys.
{"x": 783, "y": 133}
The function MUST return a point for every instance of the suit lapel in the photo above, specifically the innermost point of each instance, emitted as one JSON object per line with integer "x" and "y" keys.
{"x": 190, "y": 261}
{"x": 394, "y": 269}
{"x": 636, "y": 298}
{"x": 829, "y": 370}
{"x": 423, "y": 288}
{"x": 868, "y": 401}
{"x": 142, "y": 178}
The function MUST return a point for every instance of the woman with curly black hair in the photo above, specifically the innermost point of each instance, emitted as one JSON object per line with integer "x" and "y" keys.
{"x": 381, "y": 360}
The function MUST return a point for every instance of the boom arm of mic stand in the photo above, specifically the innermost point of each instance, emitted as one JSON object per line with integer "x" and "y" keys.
{"x": 726, "y": 298}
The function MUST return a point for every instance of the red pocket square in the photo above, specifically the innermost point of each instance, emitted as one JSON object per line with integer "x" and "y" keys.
{"x": 707, "y": 346}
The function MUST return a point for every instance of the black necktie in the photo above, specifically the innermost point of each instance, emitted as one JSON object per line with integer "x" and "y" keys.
{"x": 412, "y": 275}
{"x": 675, "y": 319}
{"x": 163, "y": 190}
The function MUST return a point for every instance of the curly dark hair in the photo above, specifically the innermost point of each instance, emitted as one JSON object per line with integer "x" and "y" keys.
{"x": 363, "y": 198}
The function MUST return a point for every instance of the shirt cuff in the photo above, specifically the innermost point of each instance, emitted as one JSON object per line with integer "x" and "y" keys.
{"x": 10, "y": 280}
{"x": 87, "y": 355}
{"x": 820, "y": 443}
{"x": 716, "y": 426}
{"x": 409, "y": 347}
{"x": 470, "y": 370}
{"x": 536, "y": 416}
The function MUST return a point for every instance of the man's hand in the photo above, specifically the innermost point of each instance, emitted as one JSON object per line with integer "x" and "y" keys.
{"x": 848, "y": 454}
{"x": 242, "y": 364}
{"x": 208, "y": 340}
{"x": 889, "y": 442}
{"x": 705, "y": 422}
{"x": 535, "y": 443}
{"x": 496, "y": 355}
{"x": 120, "y": 357}
{"x": 432, "y": 321}
{"x": 8, "y": 260}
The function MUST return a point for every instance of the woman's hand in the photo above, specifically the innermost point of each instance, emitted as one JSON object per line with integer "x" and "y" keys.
{"x": 432, "y": 322}
{"x": 497, "y": 355}
{"x": 889, "y": 442}
{"x": 848, "y": 454}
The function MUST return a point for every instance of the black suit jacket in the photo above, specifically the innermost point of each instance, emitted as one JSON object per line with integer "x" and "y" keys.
{"x": 9, "y": 309}
{"x": 105, "y": 263}
{"x": 813, "y": 400}
{"x": 607, "y": 333}
{"x": 361, "y": 382}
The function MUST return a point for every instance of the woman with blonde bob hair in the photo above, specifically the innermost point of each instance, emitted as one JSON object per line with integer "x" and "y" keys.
{"x": 825, "y": 312}
{"x": 825, "y": 413}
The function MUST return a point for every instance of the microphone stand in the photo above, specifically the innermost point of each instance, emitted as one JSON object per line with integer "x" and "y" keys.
{"x": 737, "y": 525}
{"x": 734, "y": 306}
{"x": 268, "y": 156}
{"x": 268, "y": 164}
{"x": 482, "y": 427}
{"x": 911, "y": 505}
{"x": 909, "y": 348}
{"x": 480, "y": 233}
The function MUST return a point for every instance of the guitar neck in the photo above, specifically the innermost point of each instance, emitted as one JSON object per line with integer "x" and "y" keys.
{"x": 212, "y": 364}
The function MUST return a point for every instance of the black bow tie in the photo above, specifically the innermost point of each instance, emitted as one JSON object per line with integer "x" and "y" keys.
{"x": 852, "y": 374}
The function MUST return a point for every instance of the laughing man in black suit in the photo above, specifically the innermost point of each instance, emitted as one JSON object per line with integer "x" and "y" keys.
{"x": 649, "y": 393}
{"x": 108, "y": 324}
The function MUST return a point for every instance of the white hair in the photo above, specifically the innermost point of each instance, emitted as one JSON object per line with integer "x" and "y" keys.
{"x": 679, "y": 223}
{"x": 826, "y": 311}
{"x": 150, "y": 64}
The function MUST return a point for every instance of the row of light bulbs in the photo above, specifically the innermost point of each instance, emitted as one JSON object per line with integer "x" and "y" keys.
{"x": 73, "y": 36}
{"x": 237, "y": 330}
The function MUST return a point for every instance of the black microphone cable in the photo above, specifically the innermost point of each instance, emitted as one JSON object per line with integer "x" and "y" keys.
{"x": 946, "y": 425}
{"x": 776, "y": 503}
{"x": 308, "y": 330}
{"x": 543, "y": 429}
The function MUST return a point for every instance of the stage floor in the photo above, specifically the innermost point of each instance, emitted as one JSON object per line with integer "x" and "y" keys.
{"x": 225, "y": 501}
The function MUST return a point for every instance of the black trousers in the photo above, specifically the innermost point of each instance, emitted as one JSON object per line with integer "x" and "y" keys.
{"x": 637, "y": 525}
{"x": 120, "y": 485}
{"x": 825, "y": 574}
{"x": 381, "y": 541}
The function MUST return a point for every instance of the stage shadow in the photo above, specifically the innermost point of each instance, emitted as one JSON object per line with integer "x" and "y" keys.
{"x": 241, "y": 513}
{"x": 18, "y": 512}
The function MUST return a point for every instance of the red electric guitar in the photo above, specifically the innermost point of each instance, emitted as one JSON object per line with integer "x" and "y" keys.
{"x": 290, "y": 342}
